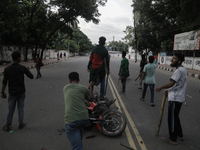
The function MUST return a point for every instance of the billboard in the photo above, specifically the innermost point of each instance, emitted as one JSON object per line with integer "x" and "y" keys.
{"x": 187, "y": 41}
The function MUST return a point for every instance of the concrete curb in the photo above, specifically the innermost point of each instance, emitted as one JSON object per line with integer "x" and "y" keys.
{"x": 33, "y": 66}
{"x": 171, "y": 70}
{"x": 164, "y": 68}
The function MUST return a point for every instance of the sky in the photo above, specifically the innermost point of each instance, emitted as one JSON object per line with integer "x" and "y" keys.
{"x": 115, "y": 16}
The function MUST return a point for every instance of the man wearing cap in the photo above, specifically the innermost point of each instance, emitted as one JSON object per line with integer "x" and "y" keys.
{"x": 99, "y": 64}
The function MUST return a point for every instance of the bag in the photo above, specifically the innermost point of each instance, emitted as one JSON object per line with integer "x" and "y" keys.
{"x": 41, "y": 64}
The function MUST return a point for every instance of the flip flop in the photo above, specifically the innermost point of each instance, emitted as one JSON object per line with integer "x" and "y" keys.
{"x": 180, "y": 138}
{"x": 22, "y": 125}
{"x": 6, "y": 128}
{"x": 167, "y": 140}
{"x": 141, "y": 99}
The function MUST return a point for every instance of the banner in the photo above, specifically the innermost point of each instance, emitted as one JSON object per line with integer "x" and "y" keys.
{"x": 187, "y": 41}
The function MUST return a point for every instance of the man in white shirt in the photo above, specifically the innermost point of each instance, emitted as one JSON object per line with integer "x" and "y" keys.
{"x": 176, "y": 96}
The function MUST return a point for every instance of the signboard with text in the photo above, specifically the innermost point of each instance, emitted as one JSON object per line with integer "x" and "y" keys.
{"x": 187, "y": 41}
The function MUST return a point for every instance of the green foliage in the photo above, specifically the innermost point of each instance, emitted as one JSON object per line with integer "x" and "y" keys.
{"x": 118, "y": 46}
{"x": 33, "y": 23}
{"x": 157, "y": 21}
{"x": 129, "y": 31}
{"x": 78, "y": 43}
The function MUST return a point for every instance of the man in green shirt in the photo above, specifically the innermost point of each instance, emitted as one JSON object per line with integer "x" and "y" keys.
{"x": 76, "y": 113}
{"x": 124, "y": 71}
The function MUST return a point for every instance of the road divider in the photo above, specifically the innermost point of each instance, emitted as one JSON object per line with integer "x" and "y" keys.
{"x": 129, "y": 119}
{"x": 127, "y": 131}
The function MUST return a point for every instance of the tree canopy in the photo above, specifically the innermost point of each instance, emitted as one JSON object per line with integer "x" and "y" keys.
{"x": 157, "y": 21}
{"x": 38, "y": 23}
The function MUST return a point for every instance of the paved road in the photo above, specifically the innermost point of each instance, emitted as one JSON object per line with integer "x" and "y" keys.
{"x": 44, "y": 112}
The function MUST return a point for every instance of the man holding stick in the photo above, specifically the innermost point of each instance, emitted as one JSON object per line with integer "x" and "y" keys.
{"x": 124, "y": 71}
{"x": 176, "y": 96}
{"x": 98, "y": 65}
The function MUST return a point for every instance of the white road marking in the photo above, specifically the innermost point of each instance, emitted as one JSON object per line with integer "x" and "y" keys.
{"x": 188, "y": 96}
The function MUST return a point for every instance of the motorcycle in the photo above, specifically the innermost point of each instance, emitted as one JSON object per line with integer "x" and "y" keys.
{"x": 109, "y": 122}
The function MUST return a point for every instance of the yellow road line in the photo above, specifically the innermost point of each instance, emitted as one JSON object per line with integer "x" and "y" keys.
{"x": 127, "y": 131}
{"x": 137, "y": 134}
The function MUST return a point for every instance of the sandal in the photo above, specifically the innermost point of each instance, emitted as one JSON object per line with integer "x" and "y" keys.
{"x": 170, "y": 141}
{"x": 141, "y": 99}
{"x": 180, "y": 138}
{"x": 6, "y": 128}
{"x": 21, "y": 126}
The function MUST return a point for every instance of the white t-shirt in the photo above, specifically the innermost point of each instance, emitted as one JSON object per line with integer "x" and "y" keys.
{"x": 177, "y": 92}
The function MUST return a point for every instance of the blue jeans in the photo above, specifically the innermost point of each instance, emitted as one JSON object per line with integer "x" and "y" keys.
{"x": 74, "y": 132}
{"x": 151, "y": 89}
{"x": 38, "y": 72}
{"x": 12, "y": 100}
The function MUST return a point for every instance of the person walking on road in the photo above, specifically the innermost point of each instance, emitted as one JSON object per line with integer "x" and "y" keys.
{"x": 38, "y": 62}
{"x": 98, "y": 64}
{"x": 142, "y": 64}
{"x": 76, "y": 113}
{"x": 149, "y": 79}
{"x": 124, "y": 71}
{"x": 14, "y": 76}
{"x": 176, "y": 96}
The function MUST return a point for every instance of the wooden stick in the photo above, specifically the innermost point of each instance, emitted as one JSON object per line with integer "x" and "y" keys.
{"x": 161, "y": 113}
{"x": 138, "y": 76}
{"x": 106, "y": 85}
{"x": 126, "y": 146}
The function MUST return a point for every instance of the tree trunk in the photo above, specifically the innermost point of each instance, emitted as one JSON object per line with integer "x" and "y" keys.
{"x": 26, "y": 54}
{"x": 47, "y": 41}
{"x": 29, "y": 27}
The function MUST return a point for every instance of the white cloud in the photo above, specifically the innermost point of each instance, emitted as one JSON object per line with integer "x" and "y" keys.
{"x": 115, "y": 16}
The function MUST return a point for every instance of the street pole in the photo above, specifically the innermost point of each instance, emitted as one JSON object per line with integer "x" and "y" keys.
{"x": 135, "y": 39}
{"x": 113, "y": 42}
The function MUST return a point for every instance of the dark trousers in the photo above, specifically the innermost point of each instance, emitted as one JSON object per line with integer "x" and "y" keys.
{"x": 12, "y": 101}
{"x": 38, "y": 72}
{"x": 174, "y": 124}
{"x": 123, "y": 81}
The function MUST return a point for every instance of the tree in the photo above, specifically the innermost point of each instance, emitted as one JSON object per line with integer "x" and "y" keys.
{"x": 118, "y": 46}
{"x": 129, "y": 31}
{"x": 158, "y": 20}
{"x": 32, "y": 23}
